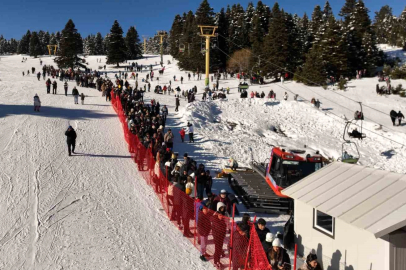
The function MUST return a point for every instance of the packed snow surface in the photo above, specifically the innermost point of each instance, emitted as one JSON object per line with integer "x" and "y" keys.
{"x": 94, "y": 211}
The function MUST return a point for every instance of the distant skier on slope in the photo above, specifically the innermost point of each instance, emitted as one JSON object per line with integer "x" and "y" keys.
{"x": 71, "y": 139}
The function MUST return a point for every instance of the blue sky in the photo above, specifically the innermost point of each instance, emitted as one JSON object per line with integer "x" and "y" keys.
{"x": 91, "y": 16}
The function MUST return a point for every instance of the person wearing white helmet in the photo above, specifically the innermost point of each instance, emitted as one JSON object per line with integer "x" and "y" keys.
{"x": 278, "y": 257}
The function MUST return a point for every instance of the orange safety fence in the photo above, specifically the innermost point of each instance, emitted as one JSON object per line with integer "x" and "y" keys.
{"x": 215, "y": 235}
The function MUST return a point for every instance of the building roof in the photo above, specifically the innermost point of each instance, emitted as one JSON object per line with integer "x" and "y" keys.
{"x": 367, "y": 198}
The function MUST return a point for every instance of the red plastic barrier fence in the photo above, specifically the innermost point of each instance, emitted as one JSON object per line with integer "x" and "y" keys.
{"x": 216, "y": 236}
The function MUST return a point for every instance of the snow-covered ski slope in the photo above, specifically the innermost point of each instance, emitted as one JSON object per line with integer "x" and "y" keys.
{"x": 89, "y": 211}
{"x": 93, "y": 210}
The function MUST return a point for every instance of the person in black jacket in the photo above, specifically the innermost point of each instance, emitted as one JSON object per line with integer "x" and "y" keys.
{"x": 201, "y": 182}
{"x": 203, "y": 228}
{"x": 261, "y": 229}
{"x": 393, "y": 116}
{"x": 400, "y": 117}
{"x": 71, "y": 139}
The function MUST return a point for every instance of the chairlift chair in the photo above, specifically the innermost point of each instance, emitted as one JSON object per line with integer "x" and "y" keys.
{"x": 182, "y": 48}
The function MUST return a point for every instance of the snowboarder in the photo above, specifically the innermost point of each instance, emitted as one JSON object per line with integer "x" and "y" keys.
{"x": 82, "y": 98}
{"x": 393, "y": 116}
{"x": 65, "y": 86}
{"x": 400, "y": 116}
{"x": 190, "y": 127}
{"x": 71, "y": 140}
{"x": 37, "y": 103}
{"x": 75, "y": 94}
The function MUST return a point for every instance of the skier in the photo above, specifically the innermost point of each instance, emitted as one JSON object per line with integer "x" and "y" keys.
{"x": 65, "y": 86}
{"x": 54, "y": 86}
{"x": 71, "y": 139}
{"x": 181, "y": 80}
{"x": 182, "y": 133}
{"x": 37, "y": 103}
{"x": 285, "y": 97}
{"x": 393, "y": 116}
{"x": 75, "y": 94}
{"x": 82, "y": 98}
{"x": 400, "y": 116}
{"x": 190, "y": 127}
{"x": 39, "y": 75}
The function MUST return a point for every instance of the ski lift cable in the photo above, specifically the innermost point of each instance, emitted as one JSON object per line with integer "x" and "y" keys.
{"x": 318, "y": 85}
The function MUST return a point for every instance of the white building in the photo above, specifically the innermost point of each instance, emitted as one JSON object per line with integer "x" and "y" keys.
{"x": 353, "y": 215}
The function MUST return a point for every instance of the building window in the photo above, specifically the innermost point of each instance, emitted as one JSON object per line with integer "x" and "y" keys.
{"x": 323, "y": 223}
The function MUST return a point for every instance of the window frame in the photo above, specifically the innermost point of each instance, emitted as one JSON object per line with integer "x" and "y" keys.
{"x": 321, "y": 229}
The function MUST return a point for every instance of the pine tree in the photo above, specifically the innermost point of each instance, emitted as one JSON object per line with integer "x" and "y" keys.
{"x": 204, "y": 14}
{"x": 45, "y": 42}
{"x": 383, "y": 24}
{"x": 24, "y": 45}
{"x": 313, "y": 71}
{"x": 347, "y": 10}
{"x": 106, "y": 42}
{"x": 89, "y": 45}
{"x": 316, "y": 24}
{"x": 222, "y": 31}
{"x": 116, "y": 50}
{"x": 35, "y": 45}
{"x": 132, "y": 41}
{"x": 69, "y": 47}
{"x": 176, "y": 39}
{"x": 99, "y": 44}
{"x": 276, "y": 47}
{"x": 327, "y": 12}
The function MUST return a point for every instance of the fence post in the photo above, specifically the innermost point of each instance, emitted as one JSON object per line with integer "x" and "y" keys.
{"x": 295, "y": 258}
{"x": 231, "y": 238}
{"x": 249, "y": 244}
{"x": 194, "y": 213}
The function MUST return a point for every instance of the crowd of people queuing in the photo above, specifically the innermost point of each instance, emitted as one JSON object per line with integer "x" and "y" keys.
{"x": 147, "y": 120}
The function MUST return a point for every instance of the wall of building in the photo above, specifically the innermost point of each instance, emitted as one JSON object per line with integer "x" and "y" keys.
{"x": 351, "y": 248}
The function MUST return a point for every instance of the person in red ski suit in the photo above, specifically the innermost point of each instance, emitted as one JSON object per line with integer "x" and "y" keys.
{"x": 182, "y": 134}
